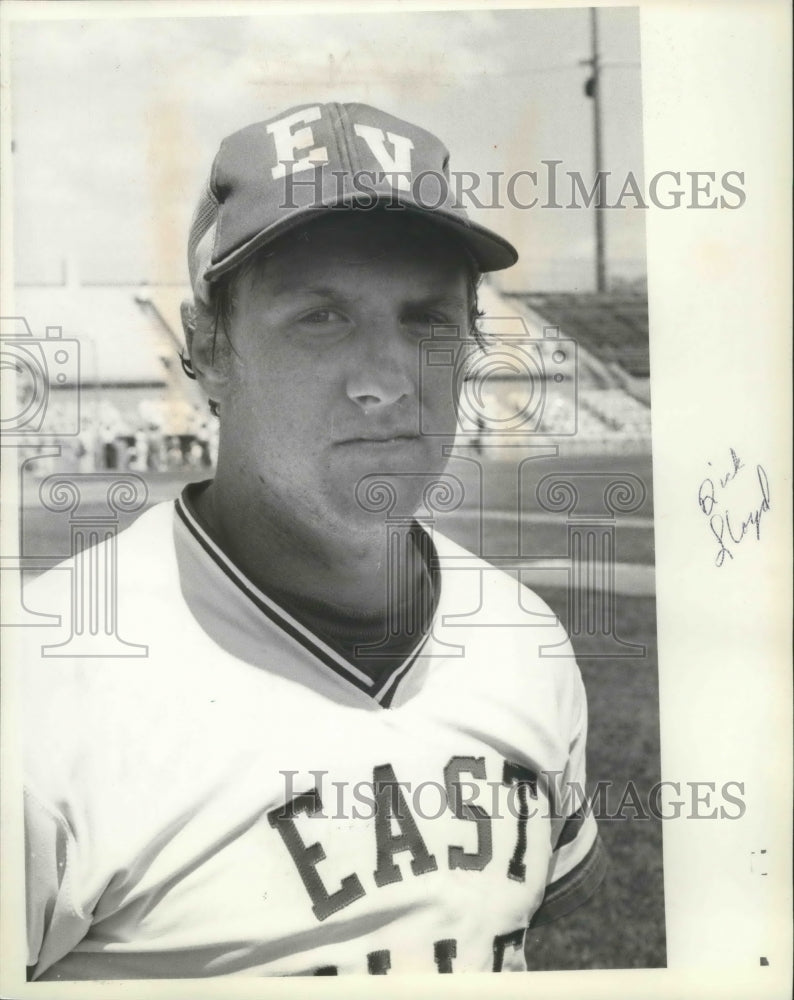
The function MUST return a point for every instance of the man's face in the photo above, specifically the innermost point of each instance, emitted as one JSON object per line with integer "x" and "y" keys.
{"x": 325, "y": 384}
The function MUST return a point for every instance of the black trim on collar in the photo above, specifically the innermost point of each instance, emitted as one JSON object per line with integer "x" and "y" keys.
{"x": 295, "y": 629}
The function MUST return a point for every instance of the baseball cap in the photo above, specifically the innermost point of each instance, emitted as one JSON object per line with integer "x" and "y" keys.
{"x": 275, "y": 175}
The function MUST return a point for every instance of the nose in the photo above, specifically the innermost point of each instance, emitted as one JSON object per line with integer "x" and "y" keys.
{"x": 382, "y": 373}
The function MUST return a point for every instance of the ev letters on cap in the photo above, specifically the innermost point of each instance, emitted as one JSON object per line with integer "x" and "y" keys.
{"x": 400, "y": 163}
{"x": 289, "y": 142}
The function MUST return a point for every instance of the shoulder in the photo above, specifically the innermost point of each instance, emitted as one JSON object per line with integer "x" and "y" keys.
{"x": 106, "y": 658}
{"x": 133, "y": 556}
{"x": 86, "y": 617}
{"x": 460, "y": 566}
{"x": 510, "y": 626}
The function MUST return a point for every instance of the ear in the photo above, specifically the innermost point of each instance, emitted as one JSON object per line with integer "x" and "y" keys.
{"x": 207, "y": 347}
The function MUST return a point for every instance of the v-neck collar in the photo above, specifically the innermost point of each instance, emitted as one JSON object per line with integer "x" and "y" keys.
{"x": 382, "y": 689}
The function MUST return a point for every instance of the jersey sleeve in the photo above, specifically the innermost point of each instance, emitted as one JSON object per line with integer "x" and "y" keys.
{"x": 578, "y": 863}
{"x": 54, "y": 923}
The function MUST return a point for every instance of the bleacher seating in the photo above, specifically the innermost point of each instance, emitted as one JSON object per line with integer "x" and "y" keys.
{"x": 604, "y": 416}
{"x": 617, "y": 411}
{"x": 611, "y": 325}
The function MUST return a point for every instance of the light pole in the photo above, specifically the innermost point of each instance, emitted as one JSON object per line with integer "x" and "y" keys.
{"x": 592, "y": 89}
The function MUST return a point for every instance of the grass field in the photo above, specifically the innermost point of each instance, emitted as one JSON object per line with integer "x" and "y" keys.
{"x": 623, "y": 926}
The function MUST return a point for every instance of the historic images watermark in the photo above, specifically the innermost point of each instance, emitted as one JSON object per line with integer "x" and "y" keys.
{"x": 453, "y": 365}
{"x": 39, "y": 366}
{"x": 515, "y": 795}
{"x": 41, "y": 410}
{"x": 548, "y": 186}
{"x": 465, "y": 369}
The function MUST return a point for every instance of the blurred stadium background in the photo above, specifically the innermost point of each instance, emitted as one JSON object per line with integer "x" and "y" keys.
{"x": 137, "y": 410}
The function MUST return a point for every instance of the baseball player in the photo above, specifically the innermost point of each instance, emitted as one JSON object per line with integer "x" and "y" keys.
{"x": 351, "y": 746}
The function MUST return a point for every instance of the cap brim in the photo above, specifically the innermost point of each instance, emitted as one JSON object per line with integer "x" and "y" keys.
{"x": 490, "y": 251}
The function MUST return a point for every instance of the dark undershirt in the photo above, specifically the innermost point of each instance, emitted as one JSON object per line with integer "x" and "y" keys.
{"x": 373, "y": 642}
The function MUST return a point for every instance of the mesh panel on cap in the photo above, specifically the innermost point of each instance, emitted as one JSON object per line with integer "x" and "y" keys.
{"x": 204, "y": 219}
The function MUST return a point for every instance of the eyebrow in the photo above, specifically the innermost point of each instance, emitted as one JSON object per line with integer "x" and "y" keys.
{"x": 451, "y": 302}
{"x": 326, "y": 292}
{"x": 321, "y": 291}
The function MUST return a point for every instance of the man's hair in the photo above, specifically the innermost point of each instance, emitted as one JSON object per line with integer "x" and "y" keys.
{"x": 219, "y": 311}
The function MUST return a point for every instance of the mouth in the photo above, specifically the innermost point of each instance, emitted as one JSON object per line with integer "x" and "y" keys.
{"x": 382, "y": 439}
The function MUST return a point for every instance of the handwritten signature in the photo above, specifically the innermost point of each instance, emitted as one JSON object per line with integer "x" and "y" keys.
{"x": 728, "y": 529}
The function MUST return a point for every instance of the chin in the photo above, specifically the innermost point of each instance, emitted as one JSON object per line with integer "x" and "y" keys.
{"x": 369, "y": 499}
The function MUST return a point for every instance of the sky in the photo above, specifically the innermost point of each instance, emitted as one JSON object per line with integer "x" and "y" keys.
{"x": 115, "y": 123}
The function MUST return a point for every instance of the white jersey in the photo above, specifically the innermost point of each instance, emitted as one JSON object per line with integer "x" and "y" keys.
{"x": 240, "y": 801}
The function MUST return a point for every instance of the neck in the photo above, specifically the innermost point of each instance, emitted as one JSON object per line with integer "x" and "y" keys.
{"x": 339, "y": 565}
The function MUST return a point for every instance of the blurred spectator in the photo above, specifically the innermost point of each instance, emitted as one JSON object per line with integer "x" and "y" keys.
{"x": 85, "y": 448}
{"x": 158, "y": 453}
{"x": 175, "y": 456}
{"x": 139, "y": 453}
{"x": 203, "y": 438}
{"x": 195, "y": 454}
{"x": 110, "y": 449}
{"x": 214, "y": 435}
{"x": 110, "y": 429}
